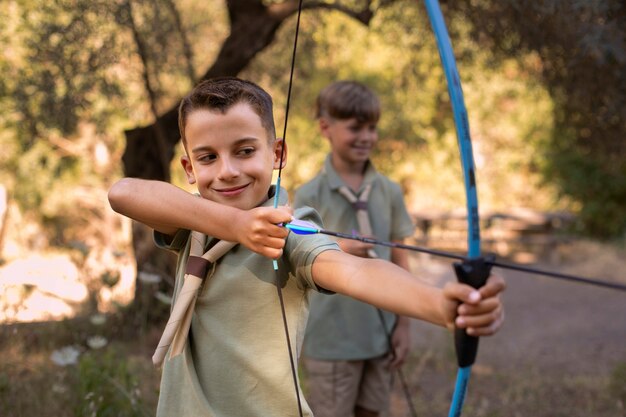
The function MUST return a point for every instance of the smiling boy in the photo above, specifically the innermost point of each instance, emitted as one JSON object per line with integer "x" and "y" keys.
{"x": 351, "y": 348}
{"x": 235, "y": 361}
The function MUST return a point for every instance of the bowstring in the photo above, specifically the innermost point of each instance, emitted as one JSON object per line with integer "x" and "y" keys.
{"x": 276, "y": 196}
{"x": 287, "y": 105}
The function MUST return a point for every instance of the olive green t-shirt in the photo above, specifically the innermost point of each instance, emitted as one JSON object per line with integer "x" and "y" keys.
{"x": 340, "y": 327}
{"x": 236, "y": 362}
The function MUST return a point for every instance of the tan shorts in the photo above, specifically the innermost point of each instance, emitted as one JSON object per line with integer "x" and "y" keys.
{"x": 336, "y": 387}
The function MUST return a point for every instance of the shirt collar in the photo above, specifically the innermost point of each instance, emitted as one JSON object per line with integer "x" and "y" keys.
{"x": 335, "y": 180}
{"x": 283, "y": 198}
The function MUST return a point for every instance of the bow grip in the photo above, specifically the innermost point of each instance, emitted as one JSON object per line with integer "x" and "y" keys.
{"x": 473, "y": 272}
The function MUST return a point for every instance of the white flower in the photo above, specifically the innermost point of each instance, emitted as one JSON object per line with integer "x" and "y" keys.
{"x": 59, "y": 388}
{"x": 98, "y": 319}
{"x": 162, "y": 297}
{"x": 148, "y": 277}
{"x": 65, "y": 356}
{"x": 97, "y": 342}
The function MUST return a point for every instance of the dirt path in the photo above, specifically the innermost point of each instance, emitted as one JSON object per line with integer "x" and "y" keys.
{"x": 551, "y": 324}
{"x": 560, "y": 340}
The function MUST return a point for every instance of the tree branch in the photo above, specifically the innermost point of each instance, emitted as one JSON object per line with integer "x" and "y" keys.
{"x": 283, "y": 10}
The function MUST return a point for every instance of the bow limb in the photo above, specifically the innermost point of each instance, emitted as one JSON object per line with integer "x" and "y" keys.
{"x": 472, "y": 272}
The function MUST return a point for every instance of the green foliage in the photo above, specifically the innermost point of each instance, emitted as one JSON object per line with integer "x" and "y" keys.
{"x": 617, "y": 385}
{"x": 539, "y": 82}
{"x": 582, "y": 57}
{"x": 64, "y": 51}
{"x": 108, "y": 387}
{"x": 72, "y": 82}
{"x": 598, "y": 185}
{"x": 397, "y": 57}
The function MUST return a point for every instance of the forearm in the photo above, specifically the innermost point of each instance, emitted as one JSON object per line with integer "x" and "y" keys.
{"x": 167, "y": 208}
{"x": 379, "y": 283}
{"x": 400, "y": 257}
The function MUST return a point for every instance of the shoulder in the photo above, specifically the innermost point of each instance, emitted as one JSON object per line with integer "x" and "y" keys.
{"x": 309, "y": 214}
{"x": 387, "y": 185}
{"x": 313, "y": 183}
{"x": 309, "y": 190}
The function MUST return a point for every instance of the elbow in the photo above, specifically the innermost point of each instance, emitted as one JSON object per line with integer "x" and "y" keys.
{"x": 120, "y": 193}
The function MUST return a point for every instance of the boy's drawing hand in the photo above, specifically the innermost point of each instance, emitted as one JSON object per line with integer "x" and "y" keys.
{"x": 480, "y": 311}
{"x": 400, "y": 343}
{"x": 260, "y": 230}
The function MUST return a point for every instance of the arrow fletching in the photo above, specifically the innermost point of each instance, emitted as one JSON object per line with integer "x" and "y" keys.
{"x": 301, "y": 227}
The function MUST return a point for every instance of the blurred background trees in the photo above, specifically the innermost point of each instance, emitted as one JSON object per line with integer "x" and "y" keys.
{"x": 89, "y": 92}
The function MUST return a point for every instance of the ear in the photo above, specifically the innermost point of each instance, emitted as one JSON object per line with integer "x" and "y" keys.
{"x": 324, "y": 125}
{"x": 280, "y": 146}
{"x": 186, "y": 163}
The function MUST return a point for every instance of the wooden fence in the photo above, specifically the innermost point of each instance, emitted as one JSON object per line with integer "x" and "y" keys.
{"x": 522, "y": 234}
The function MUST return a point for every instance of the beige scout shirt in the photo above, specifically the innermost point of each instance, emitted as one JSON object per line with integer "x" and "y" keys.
{"x": 236, "y": 361}
{"x": 342, "y": 328}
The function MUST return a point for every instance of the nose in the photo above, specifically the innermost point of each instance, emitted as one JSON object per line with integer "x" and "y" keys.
{"x": 228, "y": 169}
{"x": 367, "y": 134}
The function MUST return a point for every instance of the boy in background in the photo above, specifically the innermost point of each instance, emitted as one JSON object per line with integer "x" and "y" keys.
{"x": 234, "y": 362}
{"x": 352, "y": 348}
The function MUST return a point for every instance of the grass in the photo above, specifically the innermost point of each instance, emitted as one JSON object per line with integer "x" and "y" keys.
{"x": 528, "y": 392}
{"x": 115, "y": 380}
{"x": 119, "y": 380}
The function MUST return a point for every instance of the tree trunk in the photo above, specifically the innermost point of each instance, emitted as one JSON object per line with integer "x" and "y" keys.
{"x": 253, "y": 27}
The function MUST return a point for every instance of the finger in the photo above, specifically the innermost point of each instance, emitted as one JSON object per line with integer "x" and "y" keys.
{"x": 483, "y": 323}
{"x": 485, "y": 306}
{"x": 495, "y": 284}
{"x": 487, "y": 330}
{"x": 278, "y": 231}
{"x": 271, "y": 253}
{"x": 267, "y": 251}
{"x": 266, "y": 243}
{"x": 287, "y": 211}
{"x": 282, "y": 214}
{"x": 397, "y": 358}
{"x": 275, "y": 242}
{"x": 462, "y": 292}
{"x": 262, "y": 229}
{"x": 396, "y": 362}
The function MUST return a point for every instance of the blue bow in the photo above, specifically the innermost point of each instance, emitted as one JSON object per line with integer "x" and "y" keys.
{"x": 474, "y": 271}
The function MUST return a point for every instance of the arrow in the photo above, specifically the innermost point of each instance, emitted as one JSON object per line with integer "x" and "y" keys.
{"x": 301, "y": 227}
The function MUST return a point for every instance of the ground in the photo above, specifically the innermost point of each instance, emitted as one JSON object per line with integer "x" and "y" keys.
{"x": 561, "y": 352}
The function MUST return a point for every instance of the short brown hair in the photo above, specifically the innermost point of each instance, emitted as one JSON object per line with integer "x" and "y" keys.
{"x": 347, "y": 100}
{"x": 220, "y": 94}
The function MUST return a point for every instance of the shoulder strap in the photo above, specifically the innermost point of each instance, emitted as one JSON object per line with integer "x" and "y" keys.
{"x": 198, "y": 265}
{"x": 359, "y": 204}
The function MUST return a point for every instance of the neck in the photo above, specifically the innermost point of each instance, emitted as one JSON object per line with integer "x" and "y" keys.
{"x": 351, "y": 173}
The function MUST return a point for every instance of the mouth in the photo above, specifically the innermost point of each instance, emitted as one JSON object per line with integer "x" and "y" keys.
{"x": 231, "y": 191}
{"x": 361, "y": 148}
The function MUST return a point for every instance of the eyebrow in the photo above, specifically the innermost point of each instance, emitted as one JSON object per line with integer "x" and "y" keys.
{"x": 238, "y": 142}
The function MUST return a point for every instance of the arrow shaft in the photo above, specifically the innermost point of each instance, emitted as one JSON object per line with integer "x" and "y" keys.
{"x": 498, "y": 264}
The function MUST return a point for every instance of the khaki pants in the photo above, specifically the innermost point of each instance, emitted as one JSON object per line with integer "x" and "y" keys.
{"x": 336, "y": 387}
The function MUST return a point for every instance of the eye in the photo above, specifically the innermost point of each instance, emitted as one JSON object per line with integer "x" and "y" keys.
{"x": 207, "y": 158}
{"x": 246, "y": 151}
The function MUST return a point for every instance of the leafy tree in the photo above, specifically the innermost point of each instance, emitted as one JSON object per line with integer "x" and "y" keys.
{"x": 539, "y": 78}
{"x": 582, "y": 50}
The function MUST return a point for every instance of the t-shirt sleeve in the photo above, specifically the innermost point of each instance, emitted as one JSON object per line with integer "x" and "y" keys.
{"x": 304, "y": 197}
{"x": 402, "y": 225}
{"x": 174, "y": 243}
{"x": 303, "y": 249}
